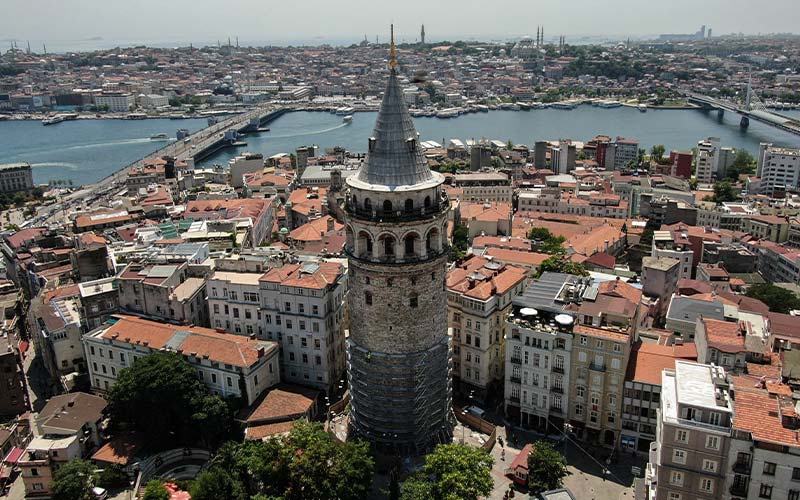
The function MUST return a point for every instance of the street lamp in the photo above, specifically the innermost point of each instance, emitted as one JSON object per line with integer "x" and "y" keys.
{"x": 463, "y": 427}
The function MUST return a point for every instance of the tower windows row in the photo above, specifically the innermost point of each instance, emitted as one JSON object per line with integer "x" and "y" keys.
{"x": 388, "y": 207}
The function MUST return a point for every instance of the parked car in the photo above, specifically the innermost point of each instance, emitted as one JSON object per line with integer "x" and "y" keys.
{"x": 476, "y": 411}
{"x": 99, "y": 493}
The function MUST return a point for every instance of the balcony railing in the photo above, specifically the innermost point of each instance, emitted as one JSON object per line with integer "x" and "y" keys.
{"x": 739, "y": 489}
{"x": 516, "y": 360}
{"x": 515, "y": 380}
{"x": 557, "y": 389}
{"x": 514, "y": 399}
{"x": 558, "y": 369}
{"x": 555, "y": 409}
{"x": 597, "y": 368}
{"x": 396, "y": 215}
{"x": 741, "y": 467}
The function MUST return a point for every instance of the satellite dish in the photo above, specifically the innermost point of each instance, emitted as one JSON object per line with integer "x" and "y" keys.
{"x": 528, "y": 311}
{"x": 564, "y": 319}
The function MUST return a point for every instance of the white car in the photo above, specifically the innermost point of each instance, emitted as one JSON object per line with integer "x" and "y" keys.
{"x": 99, "y": 493}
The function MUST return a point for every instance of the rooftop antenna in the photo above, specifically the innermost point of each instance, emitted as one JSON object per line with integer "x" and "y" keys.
{"x": 29, "y": 47}
{"x": 392, "y": 60}
{"x": 237, "y": 42}
{"x": 44, "y": 48}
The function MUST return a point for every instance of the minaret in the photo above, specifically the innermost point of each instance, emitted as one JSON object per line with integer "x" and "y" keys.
{"x": 398, "y": 350}
{"x": 422, "y": 35}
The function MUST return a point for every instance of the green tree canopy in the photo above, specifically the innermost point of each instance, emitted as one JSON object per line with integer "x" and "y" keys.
{"x": 155, "y": 490}
{"x": 546, "y": 467}
{"x": 561, "y": 264}
{"x": 776, "y": 298}
{"x": 215, "y": 484}
{"x": 743, "y": 163}
{"x": 546, "y": 242}
{"x": 453, "y": 471}
{"x": 724, "y": 191}
{"x": 460, "y": 242}
{"x": 73, "y": 481}
{"x": 657, "y": 153}
{"x": 161, "y": 396}
{"x": 307, "y": 463}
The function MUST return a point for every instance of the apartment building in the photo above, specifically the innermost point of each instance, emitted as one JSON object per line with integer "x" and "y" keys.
{"x": 689, "y": 458}
{"x": 13, "y": 397}
{"x": 707, "y": 160}
{"x": 67, "y": 428}
{"x": 552, "y": 200}
{"x": 620, "y": 152}
{"x": 674, "y": 245}
{"x": 16, "y": 177}
{"x": 767, "y": 227}
{"x": 479, "y": 296}
{"x": 234, "y": 303}
{"x": 303, "y": 309}
{"x": 764, "y": 452}
{"x": 116, "y": 102}
{"x": 163, "y": 291}
{"x": 55, "y": 325}
{"x": 776, "y": 263}
{"x": 538, "y": 354}
{"x": 778, "y": 168}
{"x": 642, "y": 395}
{"x": 484, "y": 186}
{"x": 229, "y": 365}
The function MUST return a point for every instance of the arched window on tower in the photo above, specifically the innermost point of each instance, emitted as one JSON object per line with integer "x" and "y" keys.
{"x": 427, "y": 202}
{"x": 387, "y": 207}
{"x": 367, "y": 204}
{"x": 388, "y": 245}
{"x": 413, "y": 300}
{"x": 410, "y": 244}
{"x": 354, "y": 201}
{"x": 409, "y": 206}
{"x": 368, "y": 298}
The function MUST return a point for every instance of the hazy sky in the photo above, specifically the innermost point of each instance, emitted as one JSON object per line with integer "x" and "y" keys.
{"x": 204, "y": 20}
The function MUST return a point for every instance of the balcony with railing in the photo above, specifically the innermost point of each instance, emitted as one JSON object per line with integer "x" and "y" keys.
{"x": 597, "y": 368}
{"x": 515, "y": 379}
{"x": 517, "y": 360}
{"x": 739, "y": 488}
{"x": 740, "y": 467}
{"x": 556, "y": 410}
{"x": 558, "y": 369}
{"x": 398, "y": 215}
{"x": 514, "y": 399}
{"x": 557, "y": 389}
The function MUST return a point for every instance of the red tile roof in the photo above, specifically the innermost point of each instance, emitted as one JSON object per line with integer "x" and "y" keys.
{"x": 293, "y": 275}
{"x": 648, "y": 360}
{"x": 725, "y": 336}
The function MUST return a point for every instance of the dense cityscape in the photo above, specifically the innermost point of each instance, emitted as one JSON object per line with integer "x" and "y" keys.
{"x": 568, "y": 318}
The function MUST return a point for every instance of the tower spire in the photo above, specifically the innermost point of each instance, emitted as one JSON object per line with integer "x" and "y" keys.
{"x": 392, "y": 60}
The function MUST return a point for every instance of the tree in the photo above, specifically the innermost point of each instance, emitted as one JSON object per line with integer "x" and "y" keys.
{"x": 546, "y": 467}
{"x": 657, "y": 152}
{"x": 460, "y": 242}
{"x": 307, "y": 463}
{"x": 155, "y": 490}
{"x": 216, "y": 483}
{"x": 73, "y": 481}
{"x": 546, "y": 242}
{"x": 776, "y": 298}
{"x": 161, "y": 396}
{"x": 453, "y": 471}
{"x": 743, "y": 163}
{"x": 724, "y": 191}
{"x": 113, "y": 476}
{"x": 561, "y": 264}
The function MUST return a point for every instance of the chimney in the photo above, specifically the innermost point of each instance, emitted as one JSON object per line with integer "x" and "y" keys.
{"x": 330, "y": 223}
{"x": 261, "y": 351}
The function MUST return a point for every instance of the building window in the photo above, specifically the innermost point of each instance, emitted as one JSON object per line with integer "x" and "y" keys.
{"x": 709, "y": 466}
{"x": 579, "y": 410}
{"x": 413, "y": 301}
{"x": 769, "y": 469}
{"x": 673, "y": 495}
{"x": 765, "y": 491}
{"x": 368, "y": 298}
{"x": 707, "y": 485}
{"x": 230, "y": 382}
{"x": 796, "y": 474}
{"x": 712, "y": 442}
{"x": 676, "y": 478}
{"x": 679, "y": 457}
{"x": 682, "y": 436}
{"x": 793, "y": 495}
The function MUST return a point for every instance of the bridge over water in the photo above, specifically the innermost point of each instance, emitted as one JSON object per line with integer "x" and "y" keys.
{"x": 753, "y": 109}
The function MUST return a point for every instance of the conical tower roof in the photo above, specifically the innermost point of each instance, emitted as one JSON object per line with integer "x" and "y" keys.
{"x": 394, "y": 158}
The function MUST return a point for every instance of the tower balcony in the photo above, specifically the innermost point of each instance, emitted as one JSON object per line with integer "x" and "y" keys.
{"x": 400, "y": 215}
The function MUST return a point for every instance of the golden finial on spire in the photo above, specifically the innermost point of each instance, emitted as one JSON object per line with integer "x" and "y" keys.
{"x": 392, "y": 60}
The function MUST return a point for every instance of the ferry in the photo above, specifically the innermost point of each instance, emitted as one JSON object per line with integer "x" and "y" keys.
{"x": 344, "y": 111}
{"x": 347, "y": 119}
{"x": 609, "y": 104}
{"x": 159, "y": 137}
{"x": 564, "y": 105}
{"x": 136, "y": 116}
{"x": 482, "y": 108}
{"x": 447, "y": 113}
{"x": 642, "y": 108}
{"x": 53, "y": 119}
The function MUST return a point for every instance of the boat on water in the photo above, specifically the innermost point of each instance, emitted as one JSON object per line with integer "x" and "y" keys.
{"x": 642, "y": 108}
{"x": 58, "y": 118}
{"x": 564, "y": 105}
{"x": 344, "y": 111}
{"x": 347, "y": 119}
{"x": 52, "y": 120}
{"x": 482, "y": 108}
{"x": 609, "y": 104}
{"x": 159, "y": 137}
{"x": 447, "y": 113}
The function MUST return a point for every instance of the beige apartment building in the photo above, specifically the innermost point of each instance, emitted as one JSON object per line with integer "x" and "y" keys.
{"x": 479, "y": 298}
